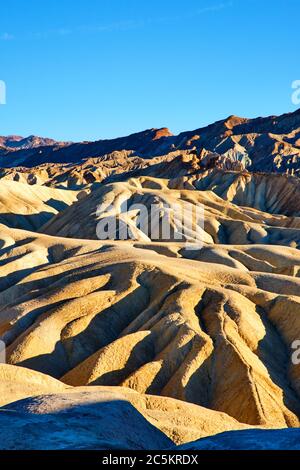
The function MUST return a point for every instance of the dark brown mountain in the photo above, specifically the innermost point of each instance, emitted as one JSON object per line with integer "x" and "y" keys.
{"x": 272, "y": 144}
{"x": 16, "y": 142}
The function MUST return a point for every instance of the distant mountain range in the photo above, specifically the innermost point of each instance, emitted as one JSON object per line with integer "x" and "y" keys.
{"x": 16, "y": 142}
{"x": 272, "y": 143}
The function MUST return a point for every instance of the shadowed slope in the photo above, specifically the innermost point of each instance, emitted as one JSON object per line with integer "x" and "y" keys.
{"x": 72, "y": 422}
{"x": 275, "y": 194}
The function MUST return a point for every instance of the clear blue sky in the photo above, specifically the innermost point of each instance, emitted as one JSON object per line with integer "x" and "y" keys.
{"x": 90, "y": 69}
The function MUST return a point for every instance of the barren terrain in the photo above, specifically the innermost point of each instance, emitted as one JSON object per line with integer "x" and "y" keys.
{"x": 147, "y": 336}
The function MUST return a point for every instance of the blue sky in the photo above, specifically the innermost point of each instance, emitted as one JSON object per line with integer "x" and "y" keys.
{"x": 91, "y": 69}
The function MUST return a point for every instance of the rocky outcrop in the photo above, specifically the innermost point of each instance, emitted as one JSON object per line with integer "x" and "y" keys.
{"x": 181, "y": 422}
{"x": 108, "y": 419}
{"x": 77, "y": 421}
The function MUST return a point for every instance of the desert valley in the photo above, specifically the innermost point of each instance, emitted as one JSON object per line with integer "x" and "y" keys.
{"x": 145, "y": 343}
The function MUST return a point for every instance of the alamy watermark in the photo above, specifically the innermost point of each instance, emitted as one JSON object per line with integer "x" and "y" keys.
{"x": 296, "y": 354}
{"x": 161, "y": 222}
{"x": 2, "y": 92}
{"x": 2, "y": 352}
{"x": 296, "y": 92}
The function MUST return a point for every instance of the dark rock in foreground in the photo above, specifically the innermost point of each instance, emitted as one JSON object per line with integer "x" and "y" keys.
{"x": 64, "y": 422}
{"x": 249, "y": 439}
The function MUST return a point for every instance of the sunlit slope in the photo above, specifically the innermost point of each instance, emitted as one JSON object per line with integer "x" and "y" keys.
{"x": 177, "y": 201}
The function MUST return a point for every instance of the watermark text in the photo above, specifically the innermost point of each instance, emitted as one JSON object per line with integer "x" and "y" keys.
{"x": 2, "y": 92}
